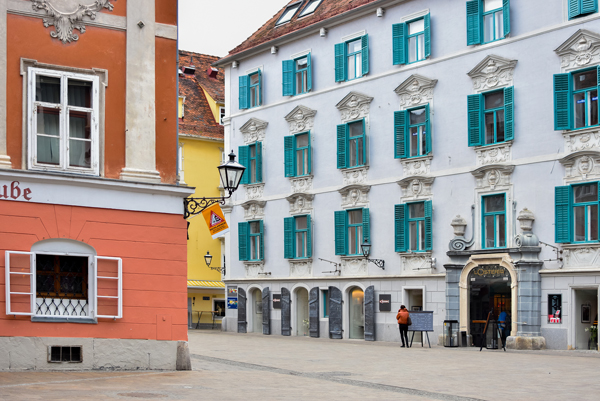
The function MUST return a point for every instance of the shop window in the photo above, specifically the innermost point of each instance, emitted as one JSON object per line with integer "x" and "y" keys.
{"x": 352, "y": 228}
{"x": 491, "y": 117}
{"x": 351, "y": 144}
{"x": 413, "y": 227}
{"x": 493, "y": 221}
{"x": 411, "y": 41}
{"x": 554, "y": 308}
{"x": 577, "y": 217}
{"x": 297, "y": 154}
{"x": 219, "y": 307}
{"x": 297, "y": 76}
{"x": 412, "y": 136}
{"x": 297, "y": 237}
{"x": 352, "y": 59}
{"x": 250, "y": 90}
{"x": 580, "y": 8}
{"x": 487, "y": 21}
{"x": 251, "y": 240}
{"x": 576, "y": 99}
{"x": 251, "y": 158}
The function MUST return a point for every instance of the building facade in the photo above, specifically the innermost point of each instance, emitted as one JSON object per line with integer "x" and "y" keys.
{"x": 93, "y": 267}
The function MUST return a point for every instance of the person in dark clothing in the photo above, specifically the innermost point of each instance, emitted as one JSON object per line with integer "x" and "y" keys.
{"x": 402, "y": 318}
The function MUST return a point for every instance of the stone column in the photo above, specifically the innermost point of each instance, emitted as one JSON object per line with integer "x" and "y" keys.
{"x": 140, "y": 119}
{"x": 4, "y": 158}
{"x": 529, "y": 298}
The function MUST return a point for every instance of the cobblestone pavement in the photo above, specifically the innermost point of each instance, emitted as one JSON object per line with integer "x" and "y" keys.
{"x": 230, "y": 366}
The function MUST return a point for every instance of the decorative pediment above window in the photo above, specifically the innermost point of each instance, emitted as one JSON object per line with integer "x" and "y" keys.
{"x": 301, "y": 119}
{"x": 580, "y": 50}
{"x": 254, "y": 130}
{"x": 493, "y": 177}
{"x": 581, "y": 166}
{"x": 416, "y": 188}
{"x": 355, "y": 196}
{"x": 354, "y": 106}
{"x": 300, "y": 203}
{"x": 254, "y": 210}
{"x": 415, "y": 91}
{"x": 492, "y": 72}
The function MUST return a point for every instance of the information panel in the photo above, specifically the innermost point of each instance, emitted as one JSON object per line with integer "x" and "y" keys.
{"x": 421, "y": 321}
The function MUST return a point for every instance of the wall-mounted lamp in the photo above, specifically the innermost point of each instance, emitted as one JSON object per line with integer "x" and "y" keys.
{"x": 323, "y": 32}
{"x": 274, "y": 49}
{"x": 380, "y": 12}
{"x": 193, "y": 300}
{"x": 366, "y": 250}
{"x": 208, "y": 259}
{"x": 235, "y": 64}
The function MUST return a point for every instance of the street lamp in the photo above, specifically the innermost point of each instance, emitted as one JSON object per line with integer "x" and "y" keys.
{"x": 366, "y": 250}
{"x": 231, "y": 173}
{"x": 208, "y": 258}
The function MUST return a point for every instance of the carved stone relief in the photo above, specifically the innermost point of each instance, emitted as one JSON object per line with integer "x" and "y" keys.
{"x": 355, "y": 195}
{"x": 492, "y": 72}
{"x": 301, "y": 184}
{"x": 254, "y": 191}
{"x": 254, "y": 209}
{"x": 493, "y": 154}
{"x": 580, "y": 50}
{"x": 416, "y": 187}
{"x": 301, "y": 119}
{"x": 353, "y": 266}
{"x": 254, "y": 130}
{"x": 253, "y": 268}
{"x": 300, "y": 203}
{"x": 301, "y": 268}
{"x": 585, "y": 139}
{"x": 416, "y": 166}
{"x": 354, "y": 106}
{"x": 357, "y": 175}
{"x": 415, "y": 91}
{"x": 581, "y": 257}
{"x": 414, "y": 263}
{"x": 581, "y": 166}
{"x": 67, "y": 15}
{"x": 493, "y": 177}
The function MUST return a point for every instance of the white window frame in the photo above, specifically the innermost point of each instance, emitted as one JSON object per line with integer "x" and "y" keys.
{"x": 64, "y": 124}
{"x": 221, "y": 114}
{"x": 214, "y": 307}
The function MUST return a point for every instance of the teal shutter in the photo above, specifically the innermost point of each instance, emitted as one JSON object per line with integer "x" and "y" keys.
{"x": 427, "y": 20}
{"x": 474, "y": 112}
{"x": 574, "y": 8}
{"x": 244, "y": 152}
{"x": 289, "y": 155}
{"x": 308, "y": 73}
{"x": 340, "y": 62}
{"x": 243, "y": 229}
{"x": 340, "y": 232}
{"x": 598, "y": 80}
{"x": 428, "y": 226}
{"x": 428, "y": 137}
{"x": 262, "y": 240}
{"x": 366, "y": 225}
{"x": 308, "y": 237}
{"x": 474, "y": 22}
{"x": 341, "y": 146}
{"x": 287, "y": 72}
{"x": 562, "y": 207}
{"x": 309, "y": 155}
{"x": 562, "y": 102}
{"x": 400, "y": 131}
{"x": 509, "y": 111}
{"x": 259, "y": 169}
{"x": 400, "y": 227}
{"x": 288, "y": 238}
{"x": 365, "y": 54}
{"x": 244, "y": 89}
{"x": 365, "y": 143}
{"x": 399, "y": 44}
{"x": 259, "y": 88}
{"x": 589, "y": 6}
{"x": 506, "y": 16}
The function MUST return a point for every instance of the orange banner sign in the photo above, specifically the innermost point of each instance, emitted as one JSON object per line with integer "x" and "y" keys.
{"x": 215, "y": 220}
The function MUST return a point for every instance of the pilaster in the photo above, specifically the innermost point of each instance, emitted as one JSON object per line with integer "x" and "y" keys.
{"x": 4, "y": 158}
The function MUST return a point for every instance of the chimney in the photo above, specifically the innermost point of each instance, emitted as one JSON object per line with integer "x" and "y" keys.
{"x": 212, "y": 72}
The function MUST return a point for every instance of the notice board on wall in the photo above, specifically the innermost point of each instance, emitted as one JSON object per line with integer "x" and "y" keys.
{"x": 421, "y": 321}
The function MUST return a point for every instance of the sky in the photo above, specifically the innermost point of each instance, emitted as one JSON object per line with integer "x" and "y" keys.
{"x": 216, "y": 26}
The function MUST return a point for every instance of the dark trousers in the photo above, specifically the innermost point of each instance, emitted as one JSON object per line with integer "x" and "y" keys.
{"x": 404, "y": 333}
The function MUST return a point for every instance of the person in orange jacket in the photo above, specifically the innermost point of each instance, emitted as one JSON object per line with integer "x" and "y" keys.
{"x": 402, "y": 318}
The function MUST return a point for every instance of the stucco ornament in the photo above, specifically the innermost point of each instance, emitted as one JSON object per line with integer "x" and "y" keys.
{"x": 254, "y": 209}
{"x": 416, "y": 188}
{"x": 67, "y": 15}
{"x": 492, "y": 72}
{"x": 580, "y": 50}
{"x": 585, "y": 139}
{"x": 353, "y": 266}
{"x": 301, "y": 184}
{"x": 493, "y": 154}
{"x": 495, "y": 176}
{"x": 416, "y": 90}
{"x": 355, "y": 195}
{"x": 255, "y": 191}
{"x": 416, "y": 166}
{"x": 254, "y": 268}
{"x": 357, "y": 175}
{"x": 581, "y": 166}
{"x": 354, "y": 106}
{"x": 581, "y": 257}
{"x": 301, "y": 119}
{"x": 254, "y": 130}
{"x": 301, "y": 268}
{"x": 459, "y": 224}
{"x": 414, "y": 262}
{"x": 301, "y": 203}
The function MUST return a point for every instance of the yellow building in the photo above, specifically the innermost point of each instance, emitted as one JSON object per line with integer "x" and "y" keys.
{"x": 201, "y": 109}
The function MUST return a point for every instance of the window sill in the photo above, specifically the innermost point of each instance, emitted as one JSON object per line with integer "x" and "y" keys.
{"x": 79, "y": 173}
{"x": 489, "y": 145}
{"x": 44, "y": 319}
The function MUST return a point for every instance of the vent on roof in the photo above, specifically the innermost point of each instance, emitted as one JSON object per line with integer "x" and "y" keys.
{"x": 61, "y": 353}
{"x": 212, "y": 72}
{"x": 191, "y": 69}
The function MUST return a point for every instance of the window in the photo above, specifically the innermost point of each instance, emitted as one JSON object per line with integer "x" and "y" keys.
{"x": 297, "y": 76}
{"x": 351, "y": 144}
{"x": 413, "y": 227}
{"x": 250, "y": 93}
{"x": 325, "y": 296}
{"x": 411, "y": 133}
{"x": 579, "y": 8}
{"x": 219, "y": 307}
{"x": 352, "y": 228}
{"x": 310, "y": 7}
{"x": 352, "y": 59}
{"x": 181, "y": 163}
{"x": 289, "y": 13}
{"x": 180, "y": 108}
{"x": 297, "y": 237}
{"x": 411, "y": 41}
{"x": 297, "y": 154}
{"x": 577, "y": 213}
{"x": 487, "y": 21}
{"x": 251, "y": 240}
{"x": 494, "y": 221}
{"x": 490, "y": 117}
{"x": 63, "y": 109}
{"x": 221, "y": 114}
{"x": 251, "y": 158}
{"x": 576, "y": 99}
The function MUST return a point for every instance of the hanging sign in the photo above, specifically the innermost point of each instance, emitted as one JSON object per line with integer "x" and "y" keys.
{"x": 215, "y": 220}
{"x": 490, "y": 271}
{"x": 232, "y": 303}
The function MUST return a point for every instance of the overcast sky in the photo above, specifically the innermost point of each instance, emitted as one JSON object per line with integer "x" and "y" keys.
{"x": 216, "y": 26}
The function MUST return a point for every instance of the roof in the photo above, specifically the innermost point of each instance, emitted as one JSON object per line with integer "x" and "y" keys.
{"x": 198, "y": 118}
{"x": 205, "y": 284}
{"x": 327, "y": 9}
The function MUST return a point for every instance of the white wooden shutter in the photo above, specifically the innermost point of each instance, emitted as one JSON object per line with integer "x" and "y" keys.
{"x": 20, "y": 283}
{"x": 108, "y": 285}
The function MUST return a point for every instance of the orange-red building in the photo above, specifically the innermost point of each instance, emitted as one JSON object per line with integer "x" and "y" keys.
{"x": 93, "y": 241}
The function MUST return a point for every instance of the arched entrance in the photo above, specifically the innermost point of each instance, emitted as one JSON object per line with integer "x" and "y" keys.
{"x": 356, "y": 313}
{"x": 302, "y": 319}
{"x": 256, "y": 310}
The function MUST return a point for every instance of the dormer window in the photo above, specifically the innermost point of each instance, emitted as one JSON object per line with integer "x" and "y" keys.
{"x": 289, "y": 13}
{"x": 310, "y": 7}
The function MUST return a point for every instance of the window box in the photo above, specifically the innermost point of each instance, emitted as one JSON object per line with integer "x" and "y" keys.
{"x": 487, "y": 21}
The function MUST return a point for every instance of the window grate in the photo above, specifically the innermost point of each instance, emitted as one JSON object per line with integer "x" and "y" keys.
{"x": 60, "y": 354}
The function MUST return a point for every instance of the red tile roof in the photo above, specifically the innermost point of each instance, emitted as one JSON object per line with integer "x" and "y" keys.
{"x": 325, "y": 10}
{"x": 214, "y": 86}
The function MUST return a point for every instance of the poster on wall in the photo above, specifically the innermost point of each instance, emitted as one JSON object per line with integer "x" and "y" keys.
{"x": 232, "y": 291}
{"x": 232, "y": 303}
{"x": 385, "y": 302}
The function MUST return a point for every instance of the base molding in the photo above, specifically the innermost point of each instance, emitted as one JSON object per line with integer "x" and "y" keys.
{"x": 525, "y": 343}
{"x": 134, "y": 174}
{"x": 5, "y": 162}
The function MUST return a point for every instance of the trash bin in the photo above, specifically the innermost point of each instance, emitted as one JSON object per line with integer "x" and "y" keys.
{"x": 450, "y": 333}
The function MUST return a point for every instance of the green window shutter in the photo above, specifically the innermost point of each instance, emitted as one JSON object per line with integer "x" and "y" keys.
{"x": 400, "y": 133}
{"x": 562, "y": 205}
{"x": 340, "y": 62}
{"x": 428, "y": 137}
{"x": 589, "y": 6}
{"x": 506, "y": 16}
{"x": 340, "y": 232}
{"x": 509, "y": 111}
{"x": 289, "y": 155}
{"x": 399, "y": 44}
{"x": 259, "y": 88}
{"x": 400, "y": 227}
{"x": 288, "y": 238}
{"x": 562, "y": 102}
{"x": 262, "y": 240}
{"x": 309, "y": 155}
{"x": 287, "y": 67}
{"x": 474, "y": 22}
{"x": 427, "y": 20}
{"x": 365, "y": 54}
{"x": 308, "y": 237}
{"x": 474, "y": 111}
{"x": 259, "y": 175}
{"x": 428, "y": 226}
{"x": 244, "y": 159}
{"x": 366, "y": 223}
{"x": 243, "y": 229}
{"x": 308, "y": 73}
{"x": 244, "y": 89}
{"x": 341, "y": 146}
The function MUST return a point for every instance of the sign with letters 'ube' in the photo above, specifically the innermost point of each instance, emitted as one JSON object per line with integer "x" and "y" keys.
{"x": 14, "y": 191}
